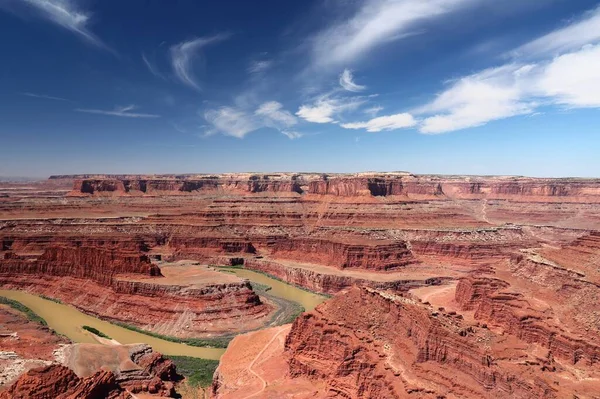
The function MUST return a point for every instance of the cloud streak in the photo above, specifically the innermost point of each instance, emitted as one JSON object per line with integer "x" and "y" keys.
{"x": 374, "y": 23}
{"x": 119, "y": 111}
{"x": 570, "y": 79}
{"x": 273, "y": 113}
{"x": 44, "y": 96}
{"x": 183, "y": 55}
{"x": 347, "y": 82}
{"x": 152, "y": 68}
{"x": 66, "y": 14}
{"x": 325, "y": 108}
{"x": 259, "y": 66}
{"x": 237, "y": 122}
{"x": 571, "y": 37}
{"x": 231, "y": 121}
{"x": 390, "y": 122}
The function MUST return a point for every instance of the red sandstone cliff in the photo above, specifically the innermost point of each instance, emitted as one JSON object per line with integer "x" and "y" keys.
{"x": 156, "y": 377}
{"x": 366, "y": 255}
{"x": 60, "y": 382}
{"x": 362, "y": 184}
{"x": 114, "y": 185}
{"x": 494, "y": 303}
{"x": 113, "y": 279}
{"x": 98, "y": 260}
{"x": 395, "y": 347}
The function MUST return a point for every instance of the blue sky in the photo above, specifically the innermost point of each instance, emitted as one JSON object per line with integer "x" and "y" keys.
{"x": 436, "y": 86}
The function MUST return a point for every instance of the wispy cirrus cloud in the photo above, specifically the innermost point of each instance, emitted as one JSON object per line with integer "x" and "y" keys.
{"x": 389, "y": 122}
{"x": 292, "y": 135}
{"x": 183, "y": 55}
{"x": 373, "y": 111}
{"x": 273, "y": 112}
{"x": 152, "y": 68}
{"x": 573, "y": 36}
{"x": 326, "y": 108}
{"x": 564, "y": 74}
{"x": 124, "y": 112}
{"x": 230, "y": 121}
{"x": 376, "y": 22}
{"x": 44, "y": 96}
{"x": 67, "y": 14}
{"x": 259, "y": 66}
{"x": 237, "y": 122}
{"x": 347, "y": 82}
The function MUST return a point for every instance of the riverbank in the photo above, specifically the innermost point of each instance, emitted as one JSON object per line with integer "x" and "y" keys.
{"x": 69, "y": 321}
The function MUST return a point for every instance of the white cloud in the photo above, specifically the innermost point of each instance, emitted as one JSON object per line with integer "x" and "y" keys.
{"x": 273, "y": 111}
{"x": 236, "y": 122}
{"x": 325, "y": 108}
{"x": 119, "y": 111}
{"x": 376, "y": 22}
{"x": 492, "y": 94}
{"x": 319, "y": 113}
{"x": 373, "y": 111}
{"x": 152, "y": 68}
{"x": 347, "y": 82}
{"x": 43, "y": 96}
{"x": 570, "y": 80}
{"x": 259, "y": 66}
{"x": 573, "y": 79}
{"x": 67, "y": 14}
{"x": 572, "y": 37}
{"x": 389, "y": 122}
{"x": 231, "y": 121}
{"x": 184, "y": 53}
{"x": 291, "y": 134}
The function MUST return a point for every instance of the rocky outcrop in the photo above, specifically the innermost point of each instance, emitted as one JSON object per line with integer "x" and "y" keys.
{"x": 494, "y": 303}
{"x": 123, "y": 185}
{"x": 60, "y": 382}
{"x": 395, "y": 346}
{"x": 461, "y": 250}
{"x": 155, "y": 374}
{"x": 375, "y": 186}
{"x": 96, "y": 260}
{"x": 343, "y": 255}
{"x": 331, "y": 283}
{"x": 150, "y": 373}
{"x": 25, "y": 344}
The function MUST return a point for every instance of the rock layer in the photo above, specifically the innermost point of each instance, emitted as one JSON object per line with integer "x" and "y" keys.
{"x": 396, "y": 347}
{"x": 362, "y": 184}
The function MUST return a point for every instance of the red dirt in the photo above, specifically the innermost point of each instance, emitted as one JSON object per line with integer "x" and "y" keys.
{"x": 24, "y": 345}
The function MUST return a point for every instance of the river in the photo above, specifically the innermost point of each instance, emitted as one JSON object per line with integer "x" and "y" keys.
{"x": 67, "y": 320}
{"x": 280, "y": 289}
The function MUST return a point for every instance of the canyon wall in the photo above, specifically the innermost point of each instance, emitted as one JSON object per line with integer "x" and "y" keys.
{"x": 395, "y": 346}
{"x": 368, "y": 256}
{"x": 85, "y": 259}
{"x": 321, "y": 281}
{"x": 145, "y": 373}
{"x": 494, "y": 303}
{"x": 114, "y": 279}
{"x": 348, "y": 185}
{"x": 177, "y": 185}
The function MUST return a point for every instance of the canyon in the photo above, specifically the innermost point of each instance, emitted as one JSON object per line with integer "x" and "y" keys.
{"x": 37, "y": 363}
{"x": 441, "y": 286}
